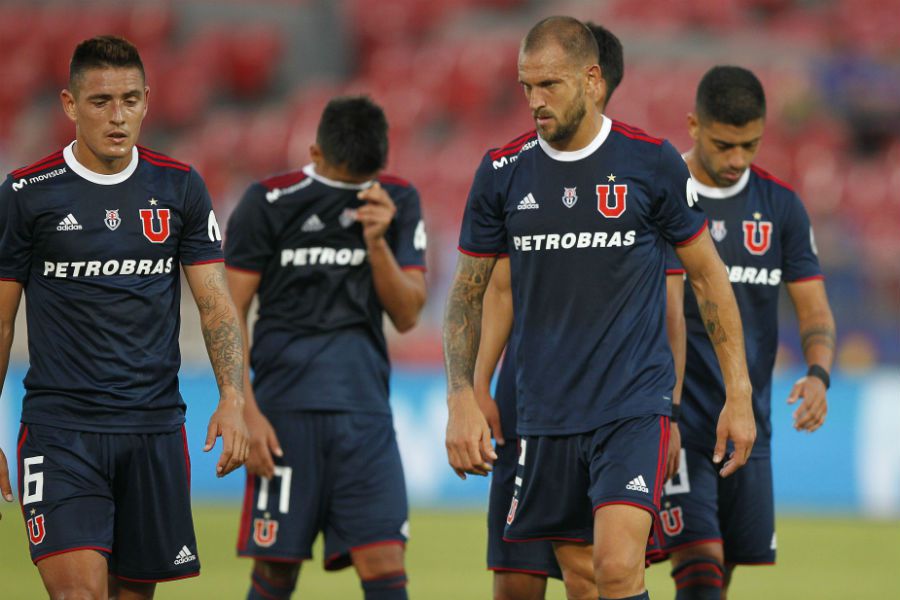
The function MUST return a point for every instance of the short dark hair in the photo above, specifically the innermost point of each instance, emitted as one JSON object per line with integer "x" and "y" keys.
{"x": 569, "y": 33}
{"x": 730, "y": 95}
{"x": 612, "y": 58}
{"x": 104, "y": 51}
{"x": 353, "y": 131}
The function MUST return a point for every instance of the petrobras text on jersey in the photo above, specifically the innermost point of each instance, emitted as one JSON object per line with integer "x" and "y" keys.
{"x": 738, "y": 274}
{"x": 301, "y": 257}
{"x": 567, "y": 241}
{"x": 98, "y": 268}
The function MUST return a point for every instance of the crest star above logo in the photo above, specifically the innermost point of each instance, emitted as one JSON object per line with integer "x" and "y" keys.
{"x": 153, "y": 201}
{"x": 610, "y": 177}
{"x": 757, "y": 215}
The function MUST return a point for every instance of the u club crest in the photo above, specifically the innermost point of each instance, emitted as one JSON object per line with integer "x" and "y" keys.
{"x": 717, "y": 230}
{"x": 112, "y": 219}
{"x": 757, "y": 236}
{"x": 569, "y": 197}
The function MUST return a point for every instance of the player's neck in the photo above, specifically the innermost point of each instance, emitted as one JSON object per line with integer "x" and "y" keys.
{"x": 102, "y": 166}
{"x": 697, "y": 170}
{"x": 587, "y": 131}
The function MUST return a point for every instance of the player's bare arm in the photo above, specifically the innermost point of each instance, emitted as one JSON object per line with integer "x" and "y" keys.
{"x": 468, "y": 435}
{"x": 676, "y": 331}
{"x": 224, "y": 343}
{"x": 264, "y": 442}
{"x": 401, "y": 292}
{"x": 719, "y": 311}
{"x": 817, "y": 337}
{"x": 10, "y": 295}
{"x": 496, "y": 323}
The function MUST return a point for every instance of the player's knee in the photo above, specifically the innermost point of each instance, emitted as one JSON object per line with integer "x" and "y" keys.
{"x": 273, "y": 580}
{"x": 617, "y": 570}
{"x": 519, "y": 586}
{"x": 699, "y": 578}
{"x": 78, "y": 592}
{"x": 579, "y": 585}
{"x": 378, "y": 561}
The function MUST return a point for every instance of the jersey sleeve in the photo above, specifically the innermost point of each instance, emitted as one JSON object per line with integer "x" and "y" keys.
{"x": 673, "y": 265}
{"x": 799, "y": 254}
{"x": 483, "y": 231}
{"x": 249, "y": 241}
{"x": 201, "y": 241}
{"x": 410, "y": 240}
{"x": 677, "y": 213}
{"x": 15, "y": 235}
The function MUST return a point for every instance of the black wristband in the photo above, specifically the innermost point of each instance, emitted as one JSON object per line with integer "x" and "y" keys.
{"x": 821, "y": 373}
{"x": 676, "y": 413}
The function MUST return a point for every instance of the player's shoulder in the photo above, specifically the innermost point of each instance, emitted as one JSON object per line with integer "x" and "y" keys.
{"x": 766, "y": 180}
{"x": 634, "y": 134}
{"x": 158, "y": 160}
{"x": 501, "y": 156}
{"x": 44, "y": 170}
{"x": 281, "y": 184}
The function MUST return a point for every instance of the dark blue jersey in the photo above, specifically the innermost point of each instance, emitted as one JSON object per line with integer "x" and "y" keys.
{"x": 763, "y": 234}
{"x": 98, "y": 256}
{"x": 318, "y": 343}
{"x": 586, "y": 233}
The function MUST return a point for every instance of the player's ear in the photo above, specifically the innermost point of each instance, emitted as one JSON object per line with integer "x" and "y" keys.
{"x": 315, "y": 153}
{"x": 68, "y": 104}
{"x": 693, "y": 124}
{"x": 146, "y": 100}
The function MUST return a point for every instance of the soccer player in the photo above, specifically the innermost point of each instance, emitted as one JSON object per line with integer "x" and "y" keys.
{"x": 94, "y": 234}
{"x": 585, "y": 208}
{"x": 763, "y": 234}
{"x": 329, "y": 249}
{"x": 521, "y": 569}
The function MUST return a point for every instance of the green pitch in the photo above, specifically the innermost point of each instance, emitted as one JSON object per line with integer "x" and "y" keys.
{"x": 818, "y": 558}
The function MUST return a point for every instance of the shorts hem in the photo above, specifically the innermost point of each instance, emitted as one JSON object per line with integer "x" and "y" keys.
{"x": 271, "y": 558}
{"x": 517, "y": 570}
{"x": 157, "y": 579}
{"x": 100, "y": 549}
{"x": 547, "y": 538}
{"x": 752, "y": 563}
{"x": 653, "y": 511}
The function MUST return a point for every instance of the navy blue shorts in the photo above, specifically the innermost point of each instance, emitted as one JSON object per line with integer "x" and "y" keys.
{"x": 562, "y": 480}
{"x": 699, "y": 506}
{"x": 340, "y": 474}
{"x": 536, "y": 558}
{"x": 125, "y": 495}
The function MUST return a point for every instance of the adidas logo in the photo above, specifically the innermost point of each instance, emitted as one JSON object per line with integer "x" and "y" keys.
{"x": 528, "y": 203}
{"x": 314, "y": 223}
{"x": 638, "y": 485}
{"x": 184, "y": 556}
{"x": 69, "y": 224}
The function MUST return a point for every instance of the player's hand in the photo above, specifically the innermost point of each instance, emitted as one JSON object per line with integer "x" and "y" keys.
{"x": 5, "y": 487}
{"x": 673, "y": 460}
{"x": 263, "y": 445}
{"x": 228, "y": 422}
{"x": 378, "y": 212}
{"x": 810, "y": 415}
{"x": 468, "y": 441}
{"x": 736, "y": 423}
{"x": 491, "y": 413}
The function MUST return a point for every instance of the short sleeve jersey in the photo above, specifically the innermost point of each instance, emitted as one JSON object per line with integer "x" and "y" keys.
{"x": 98, "y": 256}
{"x": 586, "y": 233}
{"x": 764, "y": 236}
{"x": 318, "y": 342}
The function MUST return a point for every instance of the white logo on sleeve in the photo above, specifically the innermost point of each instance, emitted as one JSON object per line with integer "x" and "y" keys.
{"x": 528, "y": 203}
{"x": 638, "y": 485}
{"x": 184, "y": 556}
{"x": 314, "y": 223}
{"x": 70, "y": 223}
{"x": 420, "y": 238}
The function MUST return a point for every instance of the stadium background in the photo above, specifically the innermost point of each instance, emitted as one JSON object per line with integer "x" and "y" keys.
{"x": 237, "y": 89}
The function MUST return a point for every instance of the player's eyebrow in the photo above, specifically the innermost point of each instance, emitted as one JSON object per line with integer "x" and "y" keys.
{"x": 129, "y": 94}
{"x": 719, "y": 142}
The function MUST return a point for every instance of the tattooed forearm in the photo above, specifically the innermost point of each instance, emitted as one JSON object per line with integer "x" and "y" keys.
{"x": 710, "y": 313}
{"x": 462, "y": 320}
{"x": 221, "y": 332}
{"x": 817, "y": 335}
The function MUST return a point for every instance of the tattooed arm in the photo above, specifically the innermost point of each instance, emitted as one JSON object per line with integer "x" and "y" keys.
{"x": 224, "y": 343}
{"x": 722, "y": 320}
{"x": 817, "y": 335}
{"x": 468, "y": 435}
